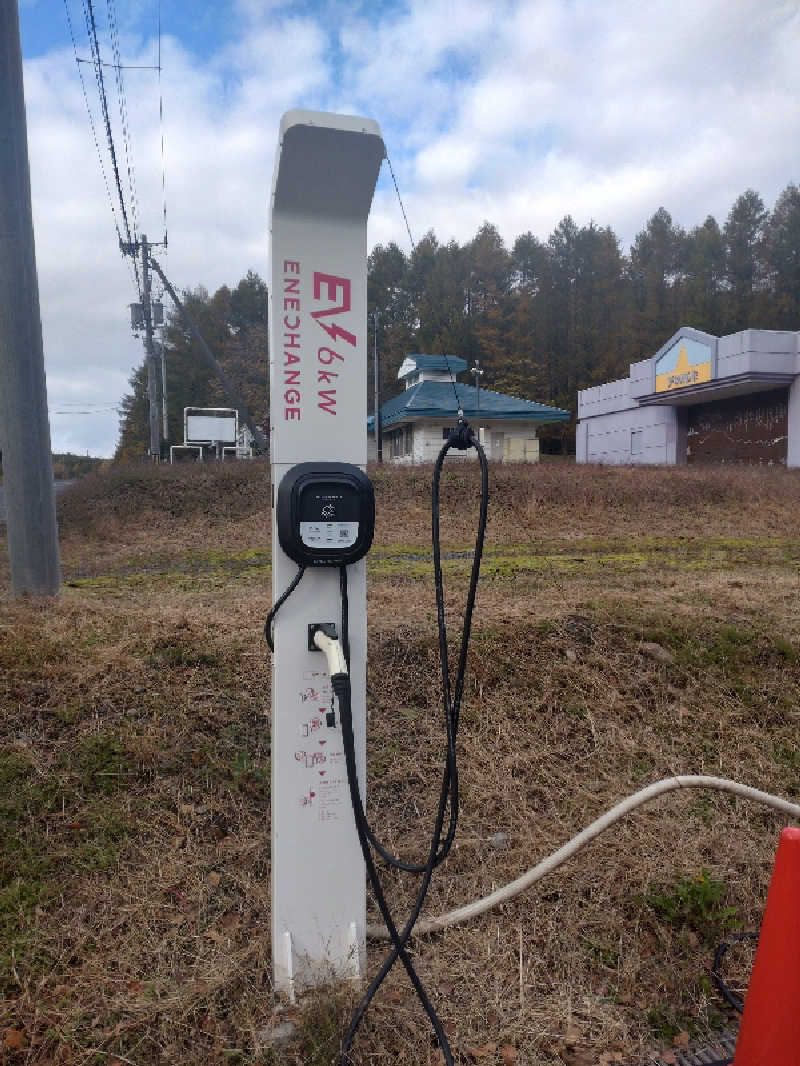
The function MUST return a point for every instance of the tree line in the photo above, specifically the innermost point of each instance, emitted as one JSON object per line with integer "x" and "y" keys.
{"x": 545, "y": 318}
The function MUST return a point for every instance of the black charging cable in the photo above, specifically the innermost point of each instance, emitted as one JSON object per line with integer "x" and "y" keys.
{"x": 269, "y": 625}
{"x": 461, "y": 438}
{"x": 722, "y": 985}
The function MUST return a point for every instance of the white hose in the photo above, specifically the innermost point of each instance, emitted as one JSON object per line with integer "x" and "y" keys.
{"x": 552, "y": 862}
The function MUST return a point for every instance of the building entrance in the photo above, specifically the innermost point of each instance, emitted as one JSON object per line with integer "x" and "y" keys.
{"x": 743, "y": 429}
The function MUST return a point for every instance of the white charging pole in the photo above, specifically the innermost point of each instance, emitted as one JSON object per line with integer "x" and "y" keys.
{"x": 325, "y": 174}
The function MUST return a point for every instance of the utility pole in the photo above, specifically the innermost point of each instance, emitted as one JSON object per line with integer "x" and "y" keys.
{"x": 233, "y": 396}
{"x": 152, "y": 370}
{"x": 24, "y": 425}
{"x": 162, "y": 352}
{"x": 377, "y": 376}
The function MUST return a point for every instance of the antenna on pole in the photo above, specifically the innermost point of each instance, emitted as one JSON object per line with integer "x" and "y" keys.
{"x": 478, "y": 374}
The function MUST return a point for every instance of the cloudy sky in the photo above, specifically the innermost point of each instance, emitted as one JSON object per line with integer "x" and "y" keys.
{"x": 513, "y": 111}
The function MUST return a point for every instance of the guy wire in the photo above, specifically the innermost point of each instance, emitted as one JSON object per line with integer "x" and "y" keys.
{"x": 413, "y": 249}
{"x": 402, "y": 208}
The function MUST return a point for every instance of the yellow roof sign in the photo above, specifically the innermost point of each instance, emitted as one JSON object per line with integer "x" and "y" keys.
{"x": 686, "y": 363}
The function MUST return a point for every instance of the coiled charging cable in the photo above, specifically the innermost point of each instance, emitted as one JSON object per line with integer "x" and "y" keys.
{"x": 461, "y": 438}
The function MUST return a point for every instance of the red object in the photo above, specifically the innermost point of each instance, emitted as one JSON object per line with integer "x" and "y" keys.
{"x": 770, "y": 1029}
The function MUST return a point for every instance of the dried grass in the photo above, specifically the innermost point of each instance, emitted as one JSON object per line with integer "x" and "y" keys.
{"x": 134, "y": 765}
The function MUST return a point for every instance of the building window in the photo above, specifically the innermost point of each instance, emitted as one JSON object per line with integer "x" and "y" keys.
{"x": 637, "y": 441}
{"x": 400, "y": 442}
{"x": 446, "y": 432}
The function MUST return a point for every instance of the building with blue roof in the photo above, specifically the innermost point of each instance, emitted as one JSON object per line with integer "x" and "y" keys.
{"x": 417, "y": 421}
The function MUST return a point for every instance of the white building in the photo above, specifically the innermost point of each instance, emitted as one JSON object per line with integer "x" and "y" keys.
{"x": 699, "y": 399}
{"x": 416, "y": 423}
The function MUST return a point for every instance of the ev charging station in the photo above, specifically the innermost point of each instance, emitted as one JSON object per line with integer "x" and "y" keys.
{"x": 325, "y": 174}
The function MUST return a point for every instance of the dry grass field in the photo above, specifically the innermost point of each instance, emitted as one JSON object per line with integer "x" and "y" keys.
{"x": 134, "y": 765}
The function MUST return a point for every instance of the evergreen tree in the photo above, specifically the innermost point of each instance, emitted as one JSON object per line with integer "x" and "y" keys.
{"x": 743, "y": 230}
{"x": 781, "y": 259}
{"x": 389, "y": 296}
{"x": 704, "y": 257}
{"x": 655, "y": 262}
{"x": 489, "y": 307}
{"x": 134, "y": 426}
{"x": 529, "y": 373}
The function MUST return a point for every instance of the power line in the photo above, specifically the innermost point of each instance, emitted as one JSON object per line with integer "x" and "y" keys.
{"x": 91, "y": 120}
{"x": 94, "y": 45}
{"x": 125, "y": 215}
{"x": 63, "y": 406}
{"x": 120, "y": 66}
{"x": 133, "y": 242}
{"x": 123, "y": 108}
{"x": 98, "y": 411}
{"x": 78, "y": 62}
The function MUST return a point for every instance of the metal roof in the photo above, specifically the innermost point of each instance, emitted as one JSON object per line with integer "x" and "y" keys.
{"x": 435, "y": 399}
{"x": 453, "y": 364}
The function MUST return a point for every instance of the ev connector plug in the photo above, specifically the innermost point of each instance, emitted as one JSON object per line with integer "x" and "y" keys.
{"x": 328, "y": 642}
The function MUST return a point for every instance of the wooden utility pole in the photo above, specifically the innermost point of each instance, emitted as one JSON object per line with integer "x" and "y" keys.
{"x": 152, "y": 369}
{"x": 24, "y": 425}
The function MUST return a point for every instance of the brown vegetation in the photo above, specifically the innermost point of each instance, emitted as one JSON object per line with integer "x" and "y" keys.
{"x": 134, "y": 766}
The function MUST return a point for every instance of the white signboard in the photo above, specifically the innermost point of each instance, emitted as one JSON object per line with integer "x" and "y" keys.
{"x": 325, "y": 176}
{"x": 208, "y": 427}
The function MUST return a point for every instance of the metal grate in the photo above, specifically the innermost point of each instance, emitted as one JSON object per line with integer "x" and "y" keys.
{"x": 718, "y": 1052}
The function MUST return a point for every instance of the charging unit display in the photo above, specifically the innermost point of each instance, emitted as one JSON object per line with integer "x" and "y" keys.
{"x": 325, "y": 514}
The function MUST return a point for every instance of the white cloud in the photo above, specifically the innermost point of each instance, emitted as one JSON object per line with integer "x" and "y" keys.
{"x": 517, "y": 112}
{"x": 608, "y": 110}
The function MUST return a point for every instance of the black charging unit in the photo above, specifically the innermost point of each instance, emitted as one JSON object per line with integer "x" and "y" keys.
{"x": 325, "y": 514}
